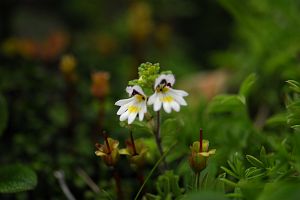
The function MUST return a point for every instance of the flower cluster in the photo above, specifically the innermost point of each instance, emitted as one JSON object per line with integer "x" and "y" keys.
{"x": 164, "y": 97}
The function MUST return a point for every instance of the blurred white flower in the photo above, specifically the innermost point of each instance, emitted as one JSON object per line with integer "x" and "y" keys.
{"x": 165, "y": 95}
{"x": 135, "y": 105}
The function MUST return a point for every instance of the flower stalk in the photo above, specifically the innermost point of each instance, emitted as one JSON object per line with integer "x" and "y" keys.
{"x": 133, "y": 144}
{"x": 158, "y": 134}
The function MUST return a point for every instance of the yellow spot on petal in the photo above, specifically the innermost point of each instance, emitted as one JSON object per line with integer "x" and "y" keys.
{"x": 133, "y": 109}
{"x": 167, "y": 99}
{"x": 140, "y": 97}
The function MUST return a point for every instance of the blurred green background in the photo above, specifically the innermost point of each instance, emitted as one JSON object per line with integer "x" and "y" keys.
{"x": 63, "y": 64}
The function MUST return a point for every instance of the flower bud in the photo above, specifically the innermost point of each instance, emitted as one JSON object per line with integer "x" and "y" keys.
{"x": 198, "y": 158}
{"x": 136, "y": 152}
{"x": 108, "y": 151}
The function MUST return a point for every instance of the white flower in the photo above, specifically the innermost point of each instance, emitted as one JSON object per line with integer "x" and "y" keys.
{"x": 135, "y": 105}
{"x": 166, "y": 96}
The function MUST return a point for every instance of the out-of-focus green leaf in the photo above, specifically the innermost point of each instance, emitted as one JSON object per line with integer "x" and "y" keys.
{"x": 293, "y": 106}
{"x": 137, "y": 125}
{"x": 16, "y": 178}
{"x": 247, "y": 85}
{"x": 207, "y": 195}
{"x": 278, "y": 119}
{"x": 167, "y": 184}
{"x": 59, "y": 115}
{"x": 280, "y": 190}
{"x": 3, "y": 114}
{"x": 225, "y": 103}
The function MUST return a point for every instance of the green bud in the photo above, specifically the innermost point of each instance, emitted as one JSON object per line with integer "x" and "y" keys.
{"x": 148, "y": 72}
{"x": 198, "y": 158}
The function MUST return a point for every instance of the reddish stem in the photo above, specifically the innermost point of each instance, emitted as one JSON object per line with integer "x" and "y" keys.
{"x": 201, "y": 140}
{"x": 133, "y": 145}
{"x": 118, "y": 184}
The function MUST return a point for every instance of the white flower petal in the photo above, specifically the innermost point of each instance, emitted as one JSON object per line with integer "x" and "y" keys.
{"x": 124, "y": 116}
{"x": 138, "y": 89}
{"x": 122, "y": 109}
{"x": 180, "y": 100}
{"x": 129, "y": 90}
{"x": 131, "y": 117}
{"x": 178, "y": 92}
{"x": 159, "y": 79}
{"x": 157, "y": 104}
{"x": 167, "y": 107}
{"x": 123, "y": 101}
{"x": 175, "y": 106}
{"x": 170, "y": 79}
{"x": 141, "y": 115}
{"x": 152, "y": 99}
{"x": 144, "y": 107}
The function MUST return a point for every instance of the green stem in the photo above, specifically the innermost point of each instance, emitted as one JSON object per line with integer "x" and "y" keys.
{"x": 153, "y": 169}
{"x": 198, "y": 180}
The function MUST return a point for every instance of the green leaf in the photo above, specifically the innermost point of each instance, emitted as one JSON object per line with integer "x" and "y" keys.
{"x": 277, "y": 120}
{"x": 263, "y": 156}
{"x": 167, "y": 184}
{"x": 228, "y": 171}
{"x": 247, "y": 85}
{"x": 255, "y": 162}
{"x": 16, "y": 178}
{"x": 294, "y": 85}
{"x": 226, "y": 103}
{"x": 280, "y": 190}
{"x": 3, "y": 114}
{"x": 207, "y": 195}
{"x": 253, "y": 172}
{"x": 153, "y": 169}
{"x": 228, "y": 182}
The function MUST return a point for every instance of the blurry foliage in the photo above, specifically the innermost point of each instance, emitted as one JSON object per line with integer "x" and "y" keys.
{"x": 266, "y": 42}
{"x": 62, "y": 65}
{"x": 16, "y": 178}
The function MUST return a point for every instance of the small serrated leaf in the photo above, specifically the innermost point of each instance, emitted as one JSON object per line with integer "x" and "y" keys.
{"x": 255, "y": 162}
{"x": 228, "y": 171}
{"x": 294, "y": 85}
{"x": 228, "y": 182}
{"x": 253, "y": 171}
{"x": 231, "y": 166}
{"x": 16, "y": 178}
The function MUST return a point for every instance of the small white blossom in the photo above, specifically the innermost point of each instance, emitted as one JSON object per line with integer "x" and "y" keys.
{"x": 165, "y": 95}
{"x": 135, "y": 105}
